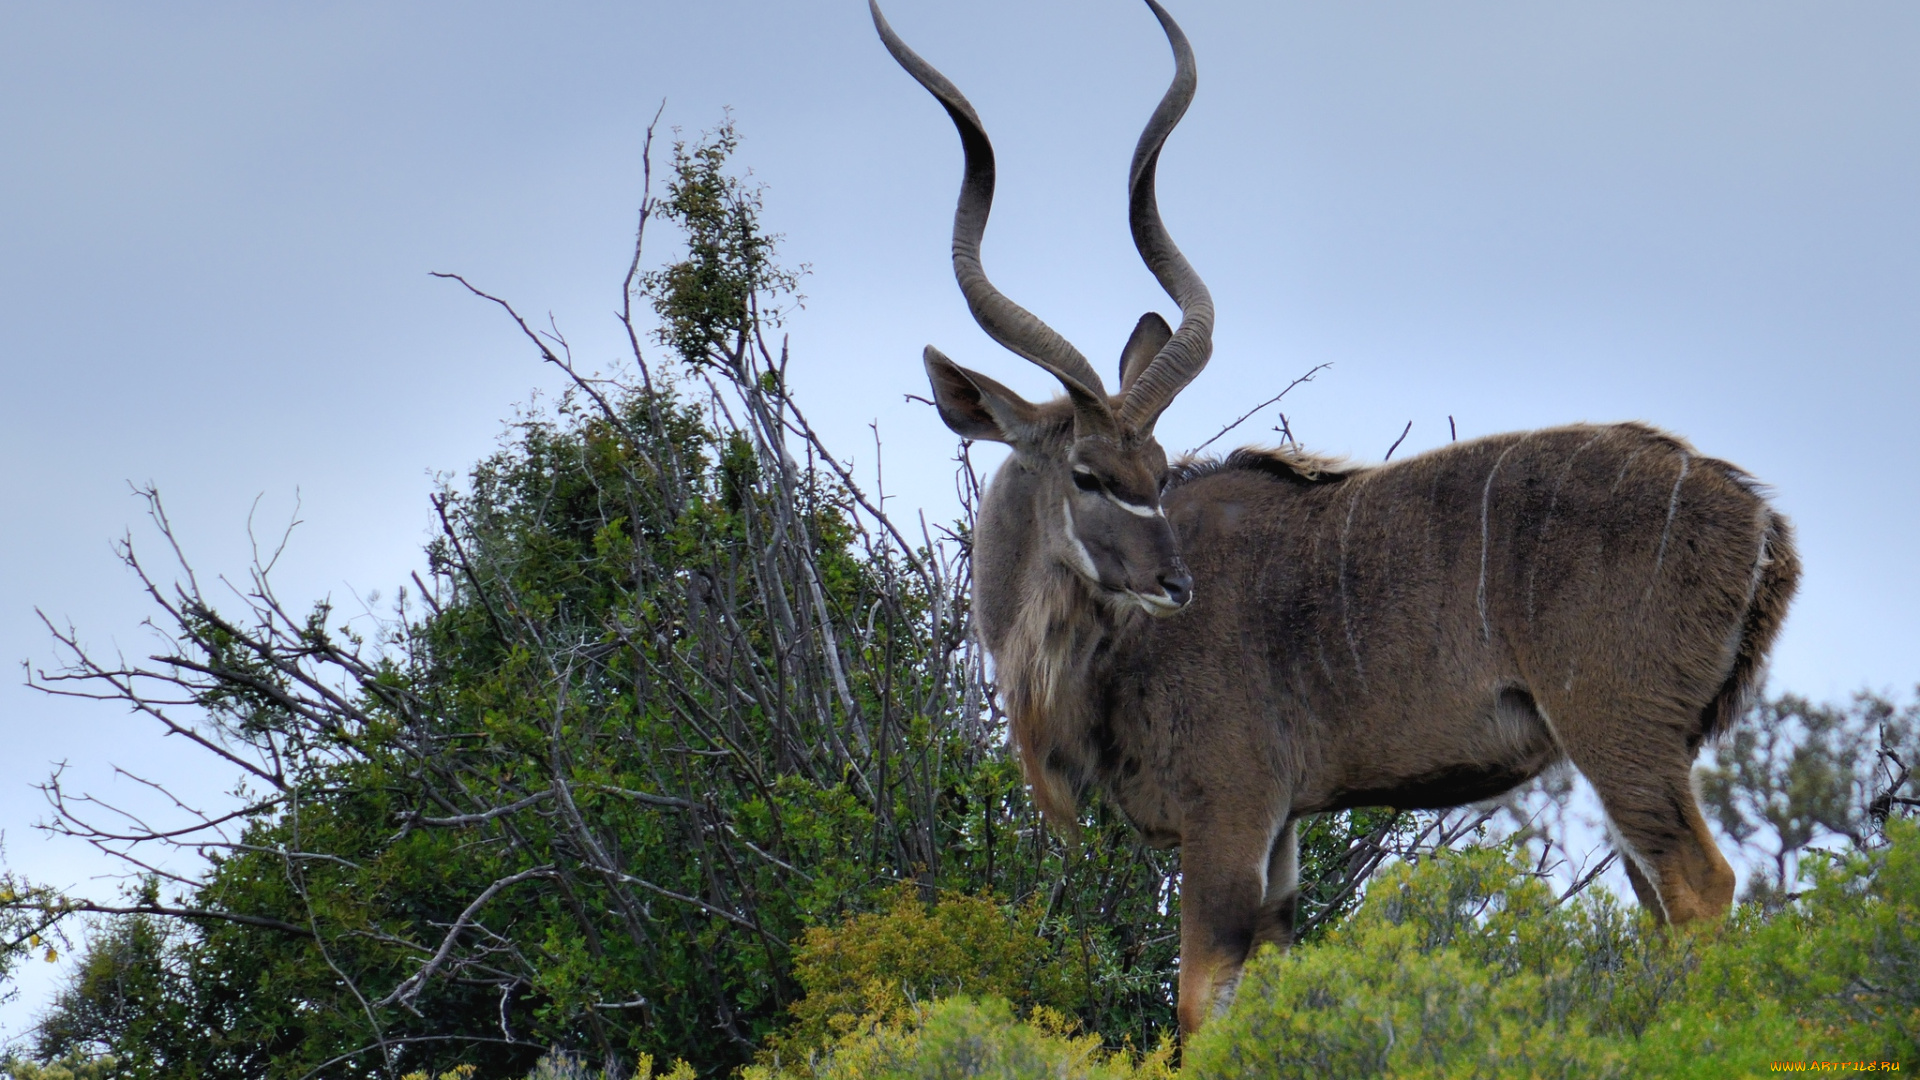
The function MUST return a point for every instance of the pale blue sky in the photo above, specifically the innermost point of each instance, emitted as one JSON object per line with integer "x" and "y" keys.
{"x": 217, "y": 219}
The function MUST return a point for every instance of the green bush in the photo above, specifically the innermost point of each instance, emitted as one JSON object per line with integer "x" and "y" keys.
{"x": 973, "y": 1037}
{"x": 558, "y": 1066}
{"x": 73, "y": 1066}
{"x": 1468, "y": 965}
{"x": 875, "y": 967}
{"x": 1835, "y": 976}
{"x": 1462, "y": 965}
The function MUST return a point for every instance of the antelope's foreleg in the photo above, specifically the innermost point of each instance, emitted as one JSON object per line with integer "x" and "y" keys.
{"x": 1282, "y": 898}
{"x": 1229, "y": 903}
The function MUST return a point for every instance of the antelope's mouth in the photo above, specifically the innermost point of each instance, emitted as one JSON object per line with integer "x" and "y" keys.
{"x": 1158, "y": 605}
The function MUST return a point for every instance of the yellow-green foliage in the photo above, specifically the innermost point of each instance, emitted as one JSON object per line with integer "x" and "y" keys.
{"x": 458, "y": 1072}
{"x": 1461, "y": 966}
{"x": 1466, "y": 967}
{"x": 76, "y": 1065}
{"x": 873, "y": 968}
{"x": 559, "y": 1066}
{"x": 1834, "y": 977}
{"x": 968, "y": 1037}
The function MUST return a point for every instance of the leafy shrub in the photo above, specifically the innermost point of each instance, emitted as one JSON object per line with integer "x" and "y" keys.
{"x": 974, "y": 1037}
{"x": 558, "y": 1066}
{"x": 1466, "y": 965}
{"x": 1835, "y": 976}
{"x": 1462, "y": 965}
{"x": 77, "y": 1065}
{"x": 458, "y": 1072}
{"x": 876, "y": 967}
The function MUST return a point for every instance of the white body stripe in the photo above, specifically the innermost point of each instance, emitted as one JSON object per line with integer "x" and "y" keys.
{"x": 1486, "y": 504}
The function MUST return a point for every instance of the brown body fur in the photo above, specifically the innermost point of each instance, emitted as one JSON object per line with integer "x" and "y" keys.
{"x": 1420, "y": 634}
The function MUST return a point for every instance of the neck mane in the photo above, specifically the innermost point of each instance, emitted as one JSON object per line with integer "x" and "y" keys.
{"x": 1044, "y": 668}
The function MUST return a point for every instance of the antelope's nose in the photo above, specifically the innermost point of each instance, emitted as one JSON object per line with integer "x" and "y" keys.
{"x": 1179, "y": 587}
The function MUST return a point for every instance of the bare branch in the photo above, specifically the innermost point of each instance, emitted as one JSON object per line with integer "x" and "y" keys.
{"x": 1244, "y": 417}
{"x": 410, "y": 989}
{"x": 1398, "y": 441}
{"x": 69, "y": 905}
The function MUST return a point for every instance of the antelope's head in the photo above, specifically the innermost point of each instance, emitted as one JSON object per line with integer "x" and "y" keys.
{"x": 1091, "y": 471}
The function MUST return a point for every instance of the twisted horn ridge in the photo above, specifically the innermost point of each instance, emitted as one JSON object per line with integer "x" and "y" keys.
{"x": 1005, "y": 321}
{"x": 1175, "y": 365}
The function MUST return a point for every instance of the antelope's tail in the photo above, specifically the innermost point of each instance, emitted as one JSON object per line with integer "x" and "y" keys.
{"x": 1776, "y": 576}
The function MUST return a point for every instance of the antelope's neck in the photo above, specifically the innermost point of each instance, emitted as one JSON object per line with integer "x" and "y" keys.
{"x": 1049, "y": 662}
{"x": 1050, "y": 637}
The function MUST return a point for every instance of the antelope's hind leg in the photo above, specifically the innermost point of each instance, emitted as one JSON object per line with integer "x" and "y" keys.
{"x": 1670, "y": 852}
{"x": 1642, "y": 772}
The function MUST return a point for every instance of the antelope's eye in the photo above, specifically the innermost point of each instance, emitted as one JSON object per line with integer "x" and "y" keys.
{"x": 1085, "y": 480}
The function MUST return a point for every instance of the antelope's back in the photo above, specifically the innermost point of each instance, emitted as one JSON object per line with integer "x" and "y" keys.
{"x": 1569, "y": 562}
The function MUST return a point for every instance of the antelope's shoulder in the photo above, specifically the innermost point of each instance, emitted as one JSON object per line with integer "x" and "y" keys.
{"x": 1286, "y": 464}
{"x": 1251, "y": 490}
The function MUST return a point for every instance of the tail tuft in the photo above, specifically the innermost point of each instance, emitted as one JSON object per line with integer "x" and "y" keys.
{"x": 1776, "y": 577}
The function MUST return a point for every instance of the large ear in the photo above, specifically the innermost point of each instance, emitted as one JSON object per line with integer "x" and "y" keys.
{"x": 974, "y": 406}
{"x": 1150, "y": 334}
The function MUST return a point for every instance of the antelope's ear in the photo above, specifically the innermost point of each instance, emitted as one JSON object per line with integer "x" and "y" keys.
{"x": 974, "y": 406}
{"x": 1150, "y": 335}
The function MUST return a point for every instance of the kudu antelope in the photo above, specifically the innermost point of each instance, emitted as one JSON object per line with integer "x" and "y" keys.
{"x": 1226, "y": 646}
